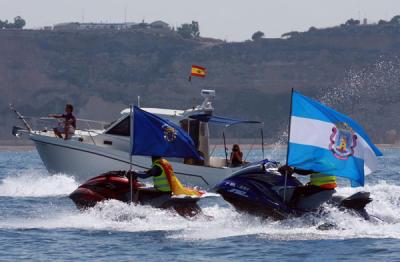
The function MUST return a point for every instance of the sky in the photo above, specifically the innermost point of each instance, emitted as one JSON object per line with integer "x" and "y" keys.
{"x": 230, "y": 20}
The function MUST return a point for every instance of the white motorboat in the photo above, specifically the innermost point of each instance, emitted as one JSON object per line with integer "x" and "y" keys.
{"x": 94, "y": 151}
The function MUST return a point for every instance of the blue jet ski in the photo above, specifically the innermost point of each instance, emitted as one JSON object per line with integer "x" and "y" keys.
{"x": 258, "y": 189}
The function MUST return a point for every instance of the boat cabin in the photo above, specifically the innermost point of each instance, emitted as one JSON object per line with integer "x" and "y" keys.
{"x": 115, "y": 137}
{"x": 194, "y": 121}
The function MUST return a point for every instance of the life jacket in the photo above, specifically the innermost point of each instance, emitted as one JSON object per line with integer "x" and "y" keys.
{"x": 173, "y": 184}
{"x": 161, "y": 182}
{"x": 323, "y": 181}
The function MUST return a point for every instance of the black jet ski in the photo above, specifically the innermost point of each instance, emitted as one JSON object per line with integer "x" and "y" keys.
{"x": 259, "y": 189}
{"x": 115, "y": 185}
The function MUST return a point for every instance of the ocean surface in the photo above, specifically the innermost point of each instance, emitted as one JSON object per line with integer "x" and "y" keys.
{"x": 39, "y": 222}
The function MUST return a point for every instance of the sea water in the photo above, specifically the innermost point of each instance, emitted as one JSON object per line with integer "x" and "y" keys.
{"x": 39, "y": 222}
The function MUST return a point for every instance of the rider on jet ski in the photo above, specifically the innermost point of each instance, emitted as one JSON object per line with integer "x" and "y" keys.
{"x": 168, "y": 193}
{"x": 318, "y": 182}
{"x": 164, "y": 179}
{"x": 158, "y": 171}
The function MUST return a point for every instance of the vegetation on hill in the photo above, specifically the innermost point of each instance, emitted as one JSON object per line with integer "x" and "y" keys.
{"x": 257, "y": 35}
{"x": 189, "y": 30}
{"x": 19, "y": 23}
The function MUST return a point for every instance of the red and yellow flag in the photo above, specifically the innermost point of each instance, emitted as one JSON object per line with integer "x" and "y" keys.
{"x": 198, "y": 71}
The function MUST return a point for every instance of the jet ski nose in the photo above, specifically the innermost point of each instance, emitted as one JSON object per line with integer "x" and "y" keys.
{"x": 85, "y": 198}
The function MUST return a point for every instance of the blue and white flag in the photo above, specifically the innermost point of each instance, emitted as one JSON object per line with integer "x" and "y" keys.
{"x": 326, "y": 141}
{"x": 155, "y": 136}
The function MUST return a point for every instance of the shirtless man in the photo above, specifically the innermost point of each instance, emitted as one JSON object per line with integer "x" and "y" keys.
{"x": 68, "y": 125}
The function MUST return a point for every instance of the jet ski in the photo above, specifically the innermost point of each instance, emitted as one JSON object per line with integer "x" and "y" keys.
{"x": 258, "y": 189}
{"x": 115, "y": 185}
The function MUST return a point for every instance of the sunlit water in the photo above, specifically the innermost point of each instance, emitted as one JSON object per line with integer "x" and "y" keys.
{"x": 38, "y": 221}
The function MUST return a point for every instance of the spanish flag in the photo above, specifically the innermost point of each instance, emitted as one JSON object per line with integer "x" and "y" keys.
{"x": 198, "y": 71}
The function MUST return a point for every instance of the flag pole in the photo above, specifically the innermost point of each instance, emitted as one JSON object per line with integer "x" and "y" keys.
{"x": 130, "y": 153}
{"x": 262, "y": 142}
{"x": 226, "y": 153}
{"x": 190, "y": 75}
{"x": 288, "y": 144}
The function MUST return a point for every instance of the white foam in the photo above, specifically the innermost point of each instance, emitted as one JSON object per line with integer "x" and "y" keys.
{"x": 35, "y": 184}
{"x": 225, "y": 222}
{"x": 109, "y": 215}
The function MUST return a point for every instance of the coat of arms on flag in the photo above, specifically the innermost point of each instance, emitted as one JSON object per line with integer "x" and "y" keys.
{"x": 169, "y": 133}
{"x": 342, "y": 141}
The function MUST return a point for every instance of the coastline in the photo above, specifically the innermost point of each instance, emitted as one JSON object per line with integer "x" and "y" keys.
{"x": 17, "y": 148}
{"x": 16, "y": 145}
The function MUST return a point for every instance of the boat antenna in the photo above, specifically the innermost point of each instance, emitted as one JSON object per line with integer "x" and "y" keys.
{"x": 138, "y": 101}
{"x": 262, "y": 141}
{"x": 21, "y": 117}
{"x": 288, "y": 144}
{"x": 225, "y": 149}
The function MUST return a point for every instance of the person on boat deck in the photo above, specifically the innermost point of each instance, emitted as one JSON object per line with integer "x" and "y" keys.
{"x": 159, "y": 173}
{"x": 236, "y": 158}
{"x": 318, "y": 182}
{"x": 68, "y": 125}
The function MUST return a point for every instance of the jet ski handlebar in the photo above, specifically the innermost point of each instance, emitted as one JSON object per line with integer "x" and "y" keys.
{"x": 132, "y": 173}
{"x": 252, "y": 169}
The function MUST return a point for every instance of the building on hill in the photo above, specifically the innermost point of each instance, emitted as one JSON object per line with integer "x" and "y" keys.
{"x": 102, "y": 26}
{"x": 73, "y": 26}
{"x": 159, "y": 24}
{"x": 66, "y": 26}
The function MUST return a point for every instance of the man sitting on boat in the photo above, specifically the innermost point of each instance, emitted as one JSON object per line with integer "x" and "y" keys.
{"x": 318, "y": 182}
{"x": 68, "y": 125}
{"x": 164, "y": 179}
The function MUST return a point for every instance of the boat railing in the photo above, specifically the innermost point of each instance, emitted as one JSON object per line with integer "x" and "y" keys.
{"x": 38, "y": 123}
{"x": 87, "y": 122}
{"x": 90, "y": 129}
{"x": 41, "y": 125}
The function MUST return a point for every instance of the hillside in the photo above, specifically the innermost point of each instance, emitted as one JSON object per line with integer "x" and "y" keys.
{"x": 354, "y": 68}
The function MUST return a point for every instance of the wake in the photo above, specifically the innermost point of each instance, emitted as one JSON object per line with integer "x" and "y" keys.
{"x": 32, "y": 183}
{"x": 115, "y": 216}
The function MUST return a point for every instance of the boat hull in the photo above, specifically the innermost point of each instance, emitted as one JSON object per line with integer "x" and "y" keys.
{"x": 84, "y": 161}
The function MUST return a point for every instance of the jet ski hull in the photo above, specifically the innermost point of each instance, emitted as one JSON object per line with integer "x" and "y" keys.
{"x": 115, "y": 185}
{"x": 250, "y": 195}
{"x": 261, "y": 192}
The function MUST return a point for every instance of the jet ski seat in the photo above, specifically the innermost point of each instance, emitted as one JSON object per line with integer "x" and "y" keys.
{"x": 151, "y": 196}
{"x": 312, "y": 202}
{"x": 148, "y": 190}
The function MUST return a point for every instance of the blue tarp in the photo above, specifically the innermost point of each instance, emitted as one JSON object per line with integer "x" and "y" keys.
{"x": 222, "y": 120}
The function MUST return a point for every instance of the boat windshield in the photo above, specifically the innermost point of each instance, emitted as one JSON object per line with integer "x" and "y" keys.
{"x": 122, "y": 128}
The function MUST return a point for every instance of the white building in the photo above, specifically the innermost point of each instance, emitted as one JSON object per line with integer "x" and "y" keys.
{"x": 159, "y": 24}
{"x": 92, "y": 26}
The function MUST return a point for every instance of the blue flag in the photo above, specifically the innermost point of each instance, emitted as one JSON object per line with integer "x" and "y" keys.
{"x": 326, "y": 141}
{"x": 155, "y": 136}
